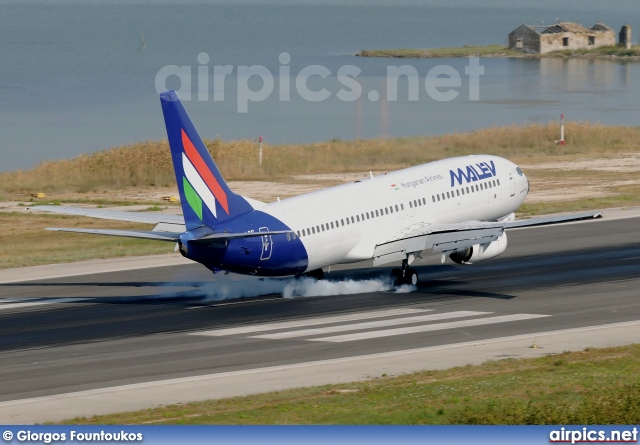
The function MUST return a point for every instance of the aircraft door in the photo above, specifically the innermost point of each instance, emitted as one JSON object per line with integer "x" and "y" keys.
{"x": 409, "y": 207}
{"x": 512, "y": 183}
{"x": 267, "y": 245}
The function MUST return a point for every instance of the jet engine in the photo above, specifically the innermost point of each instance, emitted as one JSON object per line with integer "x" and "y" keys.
{"x": 480, "y": 252}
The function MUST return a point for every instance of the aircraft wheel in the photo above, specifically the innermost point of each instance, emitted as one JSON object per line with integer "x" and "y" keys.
{"x": 411, "y": 277}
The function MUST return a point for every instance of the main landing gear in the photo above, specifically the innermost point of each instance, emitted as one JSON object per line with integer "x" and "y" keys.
{"x": 405, "y": 275}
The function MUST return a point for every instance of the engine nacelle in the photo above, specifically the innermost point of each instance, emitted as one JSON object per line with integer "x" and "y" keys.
{"x": 480, "y": 252}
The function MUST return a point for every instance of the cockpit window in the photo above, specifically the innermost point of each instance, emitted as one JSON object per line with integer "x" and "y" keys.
{"x": 519, "y": 171}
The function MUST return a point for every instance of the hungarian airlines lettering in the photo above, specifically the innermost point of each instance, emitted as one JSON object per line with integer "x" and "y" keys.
{"x": 420, "y": 181}
{"x": 473, "y": 173}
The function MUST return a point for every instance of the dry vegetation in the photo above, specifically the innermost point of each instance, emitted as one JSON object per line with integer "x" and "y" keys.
{"x": 148, "y": 164}
{"x": 596, "y": 169}
{"x": 25, "y": 242}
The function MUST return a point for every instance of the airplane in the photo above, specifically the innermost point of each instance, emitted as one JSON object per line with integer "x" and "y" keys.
{"x": 458, "y": 207}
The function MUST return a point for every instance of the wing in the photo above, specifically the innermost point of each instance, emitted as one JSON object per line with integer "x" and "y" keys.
{"x": 457, "y": 236}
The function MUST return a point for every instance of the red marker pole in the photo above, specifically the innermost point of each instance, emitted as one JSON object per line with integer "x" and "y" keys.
{"x": 260, "y": 151}
{"x": 561, "y": 129}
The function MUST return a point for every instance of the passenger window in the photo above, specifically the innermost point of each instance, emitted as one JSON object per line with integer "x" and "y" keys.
{"x": 353, "y": 220}
{"x": 498, "y": 181}
{"x": 438, "y": 197}
{"x": 342, "y": 221}
{"x": 410, "y": 205}
{"x": 332, "y": 224}
{"x": 358, "y": 218}
{"x": 434, "y": 198}
{"x": 298, "y": 232}
{"x": 377, "y": 213}
{"x": 401, "y": 206}
{"x": 424, "y": 201}
{"x": 386, "y": 210}
{"x": 318, "y": 229}
{"x": 397, "y": 210}
{"x": 288, "y": 237}
{"x": 313, "y": 230}
{"x": 462, "y": 190}
{"x": 458, "y": 192}
{"x": 468, "y": 190}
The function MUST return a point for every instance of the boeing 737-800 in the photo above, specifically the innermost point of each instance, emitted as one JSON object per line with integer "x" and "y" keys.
{"x": 458, "y": 207}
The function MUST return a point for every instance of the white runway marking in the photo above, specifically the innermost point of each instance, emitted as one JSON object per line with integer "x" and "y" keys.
{"x": 308, "y": 322}
{"x": 427, "y": 328}
{"x": 370, "y": 324}
{"x": 16, "y": 303}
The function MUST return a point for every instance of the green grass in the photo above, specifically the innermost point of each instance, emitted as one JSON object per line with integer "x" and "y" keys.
{"x": 608, "y": 51}
{"x": 595, "y": 386}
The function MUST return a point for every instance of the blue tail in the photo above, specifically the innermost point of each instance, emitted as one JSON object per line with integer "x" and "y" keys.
{"x": 206, "y": 199}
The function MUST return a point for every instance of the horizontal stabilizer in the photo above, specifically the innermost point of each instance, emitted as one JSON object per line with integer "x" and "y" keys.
{"x": 142, "y": 234}
{"x": 227, "y": 236}
{"x": 139, "y": 217}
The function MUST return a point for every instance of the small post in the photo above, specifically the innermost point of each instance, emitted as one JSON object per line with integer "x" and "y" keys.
{"x": 260, "y": 150}
{"x": 561, "y": 129}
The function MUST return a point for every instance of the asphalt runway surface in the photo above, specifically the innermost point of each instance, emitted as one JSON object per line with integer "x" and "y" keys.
{"x": 102, "y": 330}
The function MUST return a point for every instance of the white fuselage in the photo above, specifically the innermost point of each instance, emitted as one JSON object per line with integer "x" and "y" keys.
{"x": 343, "y": 224}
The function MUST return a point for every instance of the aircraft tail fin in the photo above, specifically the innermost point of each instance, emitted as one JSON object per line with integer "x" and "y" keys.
{"x": 206, "y": 199}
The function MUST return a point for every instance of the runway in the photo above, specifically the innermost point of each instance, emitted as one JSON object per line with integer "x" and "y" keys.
{"x": 132, "y": 327}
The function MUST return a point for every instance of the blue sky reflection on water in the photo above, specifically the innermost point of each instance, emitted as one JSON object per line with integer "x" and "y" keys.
{"x": 73, "y": 80}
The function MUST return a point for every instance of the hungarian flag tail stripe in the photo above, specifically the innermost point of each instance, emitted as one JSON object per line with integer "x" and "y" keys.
{"x": 198, "y": 184}
{"x": 204, "y": 173}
